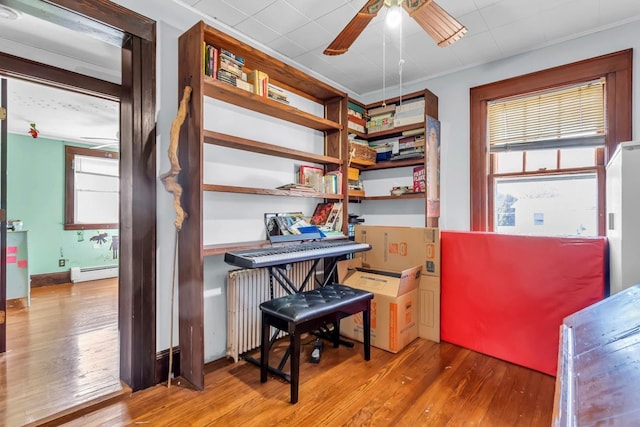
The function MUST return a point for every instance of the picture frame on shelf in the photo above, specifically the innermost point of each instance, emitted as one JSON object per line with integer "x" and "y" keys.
{"x": 312, "y": 175}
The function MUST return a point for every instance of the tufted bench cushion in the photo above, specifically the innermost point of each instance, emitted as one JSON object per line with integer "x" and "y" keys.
{"x": 315, "y": 303}
{"x": 306, "y": 311}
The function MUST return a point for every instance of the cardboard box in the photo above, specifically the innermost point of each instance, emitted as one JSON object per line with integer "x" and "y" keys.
{"x": 394, "y": 308}
{"x": 429, "y": 308}
{"x": 397, "y": 248}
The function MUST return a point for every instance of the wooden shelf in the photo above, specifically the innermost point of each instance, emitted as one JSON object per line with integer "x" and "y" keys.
{"x": 390, "y": 164}
{"x": 230, "y": 141}
{"x": 269, "y": 192}
{"x": 360, "y": 135}
{"x": 232, "y": 95}
{"x": 400, "y": 197}
{"x": 325, "y": 127}
{"x": 221, "y": 249}
{"x": 392, "y": 132}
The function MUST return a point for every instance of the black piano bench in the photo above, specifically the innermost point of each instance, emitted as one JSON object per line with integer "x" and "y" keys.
{"x": 306, "y": 311}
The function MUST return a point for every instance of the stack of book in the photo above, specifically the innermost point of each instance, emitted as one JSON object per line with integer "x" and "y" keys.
{"x": 411, "y": 144}
{"x": 260, "y": 82}
{"x": 210, "y": 57}
{"x": 230, "y": 67}
{"x": 356, "y": 119}
{"x": 277, "y": 94}
{"x": 354, "y": 183}
{"x": 409, "y": 113}
{"x": 381, "y": 118}
{"x": 333, "y": 182}
{"x": 294, "y": 186}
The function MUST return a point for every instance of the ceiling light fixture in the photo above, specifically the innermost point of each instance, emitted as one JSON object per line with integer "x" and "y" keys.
{"x": 9, "y": 14}
{"x": 394, "y": 16}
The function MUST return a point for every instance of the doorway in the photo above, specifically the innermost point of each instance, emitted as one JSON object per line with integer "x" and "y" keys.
{"x": 135, "y": 35}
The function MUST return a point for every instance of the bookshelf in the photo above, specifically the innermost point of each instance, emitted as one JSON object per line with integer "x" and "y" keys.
{"x": 430, "y": 109}
{"x": 195, "y": 137}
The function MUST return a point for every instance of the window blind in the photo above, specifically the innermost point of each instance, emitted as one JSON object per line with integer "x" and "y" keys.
{"x": 571, "y": 116}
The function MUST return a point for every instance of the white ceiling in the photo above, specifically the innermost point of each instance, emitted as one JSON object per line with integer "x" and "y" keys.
{"x": 298, "y": 31}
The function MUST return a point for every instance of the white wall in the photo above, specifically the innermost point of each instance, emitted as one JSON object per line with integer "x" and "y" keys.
{"x": 452, "y": 91}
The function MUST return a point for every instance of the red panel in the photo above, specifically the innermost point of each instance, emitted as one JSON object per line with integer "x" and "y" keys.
{"x": 506, "y": 296}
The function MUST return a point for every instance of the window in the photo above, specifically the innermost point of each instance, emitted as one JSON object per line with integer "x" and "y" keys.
{"x": 547, "y": 141}
{"x": 91, "y": 189}
{"x": 543, "y": 162}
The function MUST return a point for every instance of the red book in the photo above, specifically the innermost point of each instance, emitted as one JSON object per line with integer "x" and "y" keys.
{"x": 418, "y": 179}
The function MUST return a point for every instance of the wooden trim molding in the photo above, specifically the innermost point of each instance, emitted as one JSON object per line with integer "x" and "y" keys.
{"x": 162, "y": 365}
{"x": 135, "y": 34}
{"x": 48, "y": 279}
{"x": 615, "y": 67}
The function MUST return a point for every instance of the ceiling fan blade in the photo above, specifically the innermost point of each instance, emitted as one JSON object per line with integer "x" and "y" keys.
{"x": 99, "y": 147}
{"x": 441, "y": 26}
{"x": 354, "y": 28}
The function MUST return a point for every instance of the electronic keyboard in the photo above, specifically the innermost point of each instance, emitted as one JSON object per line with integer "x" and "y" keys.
{"x": 277, "y": 255}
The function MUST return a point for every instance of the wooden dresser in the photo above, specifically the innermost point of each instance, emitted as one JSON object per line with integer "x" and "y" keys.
{"x": 599, "y": 364}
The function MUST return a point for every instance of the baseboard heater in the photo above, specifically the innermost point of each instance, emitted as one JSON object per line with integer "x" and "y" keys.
{"x": 82, "y": 274}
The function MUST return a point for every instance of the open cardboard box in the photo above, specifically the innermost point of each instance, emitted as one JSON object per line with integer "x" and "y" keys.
{"x": 398, "y": 248}
{"x": 394, "y": 308}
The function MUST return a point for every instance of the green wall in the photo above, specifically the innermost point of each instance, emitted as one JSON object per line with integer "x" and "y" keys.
{"x": 35, "y": 194}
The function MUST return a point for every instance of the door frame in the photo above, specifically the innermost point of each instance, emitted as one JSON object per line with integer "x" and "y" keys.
{"x": 135, "y": 35}
{"x": 3, "y": 219}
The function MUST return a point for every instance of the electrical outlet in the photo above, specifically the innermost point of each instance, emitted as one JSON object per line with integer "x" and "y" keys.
{"x": 61, "y": 262}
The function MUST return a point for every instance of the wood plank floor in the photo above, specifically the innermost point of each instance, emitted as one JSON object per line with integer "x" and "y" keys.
{"x": 62, "y": 351}
{"x": 427, "y": 384}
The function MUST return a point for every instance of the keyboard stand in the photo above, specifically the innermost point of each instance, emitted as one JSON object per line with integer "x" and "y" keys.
{"x": 277, "y": 274}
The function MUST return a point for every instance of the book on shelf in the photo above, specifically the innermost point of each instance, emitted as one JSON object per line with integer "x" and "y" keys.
{"x": 210, "y": 59}
{"x": 284, "y": 224}
{"x": 327, "y": 215}
{"x": 244, "y": 85}
{"x": 406, "y": 120}
{"x": 313, "y": 176}
{"x": 227, "y": 77}
{"x": 411, "y": 132}
{"x": 231, "y": 56}
{"x": 333, "y": 182}
{"x": 230, "y": 67}
{"x": 356, "y": 126}
{"x": 411, "y": 105}
{"x": 355, "y": 110}
{"x": 356, "y": 123}
{"x": 321, "y": 213}
{"x": 260, "y": 81}
{"x": 383, "y": 109}
{"x": 296, "y": 187}
{"x": 418, "y": 179}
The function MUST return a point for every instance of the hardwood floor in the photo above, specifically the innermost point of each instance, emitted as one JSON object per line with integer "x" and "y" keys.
{"x": 426, "y": 384}
{"x": 62, "y": 352}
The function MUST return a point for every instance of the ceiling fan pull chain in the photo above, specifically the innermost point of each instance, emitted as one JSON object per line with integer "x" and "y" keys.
{"x": 400, "y": 64}
{"x": 384, "y": 64}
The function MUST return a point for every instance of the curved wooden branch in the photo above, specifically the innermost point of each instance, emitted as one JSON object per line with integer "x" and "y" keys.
{"x": 170, "y": 178}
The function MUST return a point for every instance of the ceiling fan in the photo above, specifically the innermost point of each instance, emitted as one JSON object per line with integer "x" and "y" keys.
{"x": 95, "y": 145}
{"x": 441, "y": 26}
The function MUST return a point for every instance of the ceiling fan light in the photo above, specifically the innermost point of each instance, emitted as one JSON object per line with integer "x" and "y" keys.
{"x": 394, "y": 16}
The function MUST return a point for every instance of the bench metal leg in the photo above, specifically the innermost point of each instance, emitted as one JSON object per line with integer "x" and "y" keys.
{"x": 264, "y": 350}
{"x": 295, "y": 364}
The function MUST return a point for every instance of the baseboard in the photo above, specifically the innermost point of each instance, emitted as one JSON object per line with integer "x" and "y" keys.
{"x": 162, "y": 365}
{"x": 48, "y": 279}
